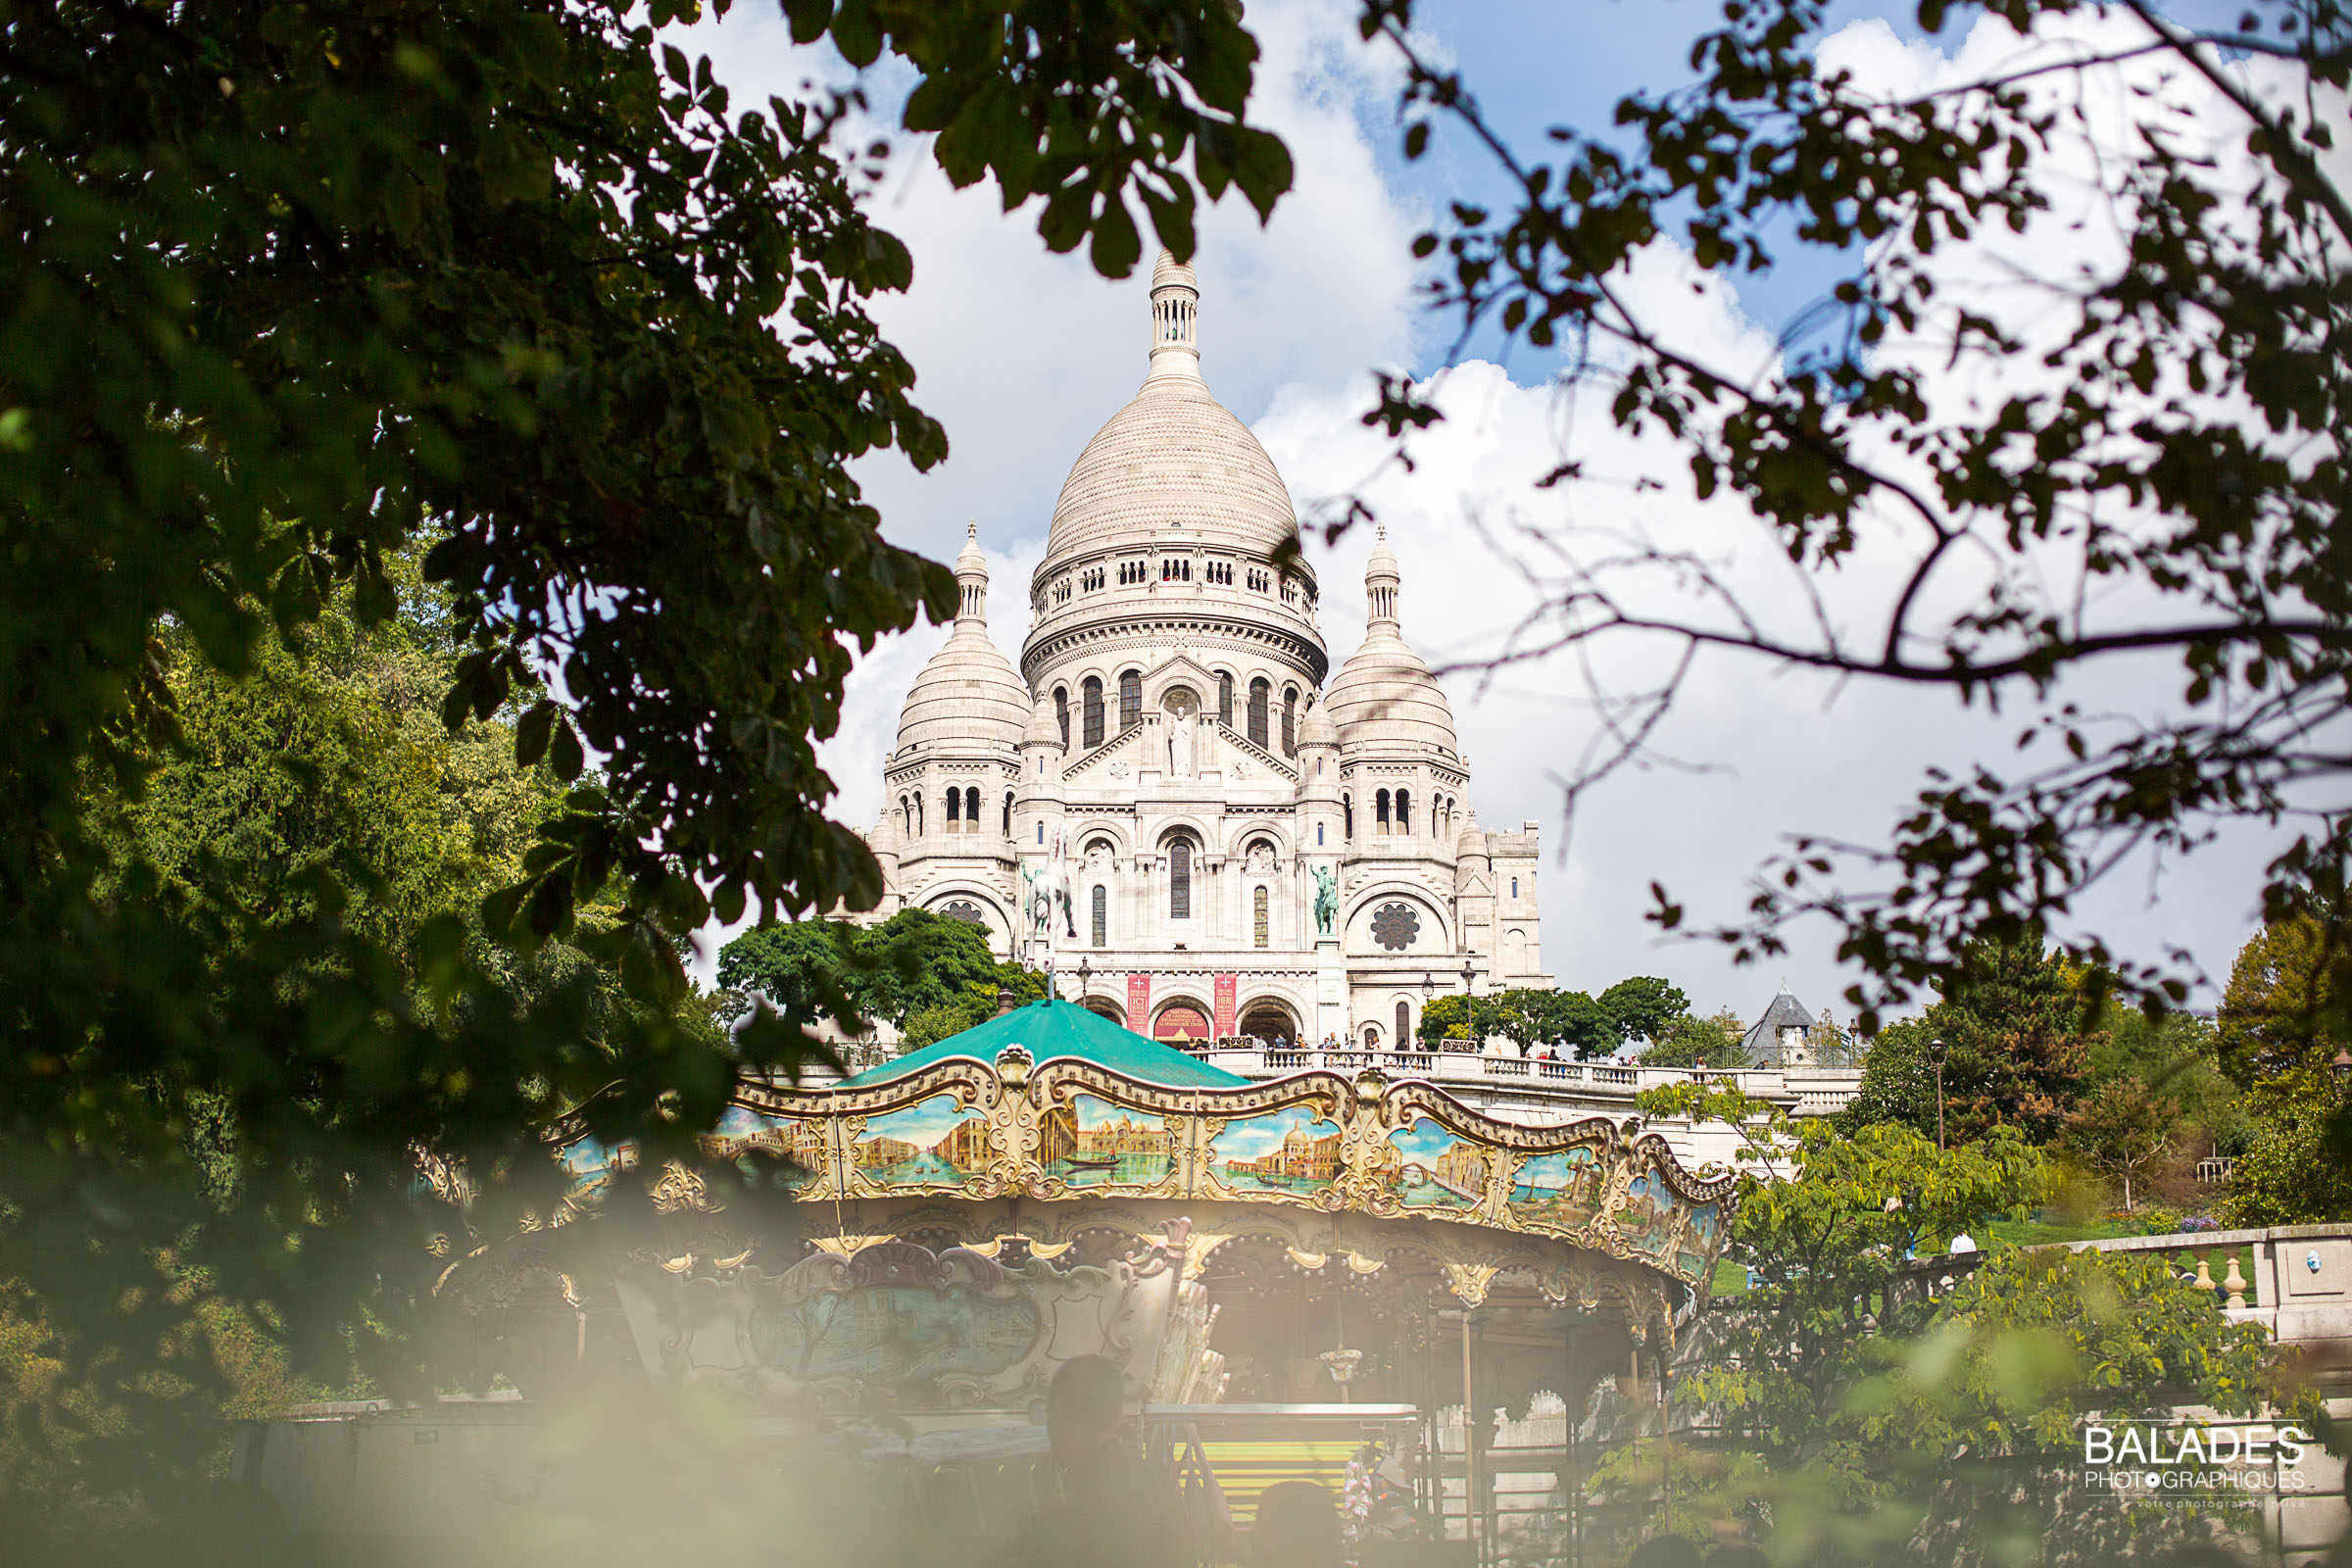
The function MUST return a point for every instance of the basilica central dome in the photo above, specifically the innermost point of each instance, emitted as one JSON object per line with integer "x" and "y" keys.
{"x": 1174, "y": 456}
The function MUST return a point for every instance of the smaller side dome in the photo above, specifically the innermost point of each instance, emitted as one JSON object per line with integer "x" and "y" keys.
{"x": 968, "y": 696}
{"x": 1385, "y": 695}
{"x": 1472, "y": 844}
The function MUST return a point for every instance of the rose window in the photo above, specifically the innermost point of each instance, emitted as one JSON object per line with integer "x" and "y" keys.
{"x": 1395, "y": 926}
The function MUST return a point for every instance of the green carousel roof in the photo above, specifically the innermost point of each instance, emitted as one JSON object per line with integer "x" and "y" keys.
{"x": 1060, "y": 1031}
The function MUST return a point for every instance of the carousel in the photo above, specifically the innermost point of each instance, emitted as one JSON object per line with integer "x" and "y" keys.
{"x": 1290, "y": 1273}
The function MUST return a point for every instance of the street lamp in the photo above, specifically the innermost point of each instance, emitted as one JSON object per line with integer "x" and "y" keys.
{"x": 1468, "y": 974}
{"x": 1429, "y": 986}
{"x": 1085, "y": 972}
{"x": 2339, "y": 1067}
{"x": 1935, "y": 1054}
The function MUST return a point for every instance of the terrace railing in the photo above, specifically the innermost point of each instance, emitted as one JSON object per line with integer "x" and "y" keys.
{"x": 1806, "y": 1091}
{"x": 2293, "y": 1279}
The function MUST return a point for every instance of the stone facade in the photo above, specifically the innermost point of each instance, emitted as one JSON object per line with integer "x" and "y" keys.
{"x": 1170, "y": 756}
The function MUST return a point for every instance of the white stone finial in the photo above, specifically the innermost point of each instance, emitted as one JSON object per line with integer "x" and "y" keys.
{"x": 971, "y": 579}
{"x": 1175, "y": 318}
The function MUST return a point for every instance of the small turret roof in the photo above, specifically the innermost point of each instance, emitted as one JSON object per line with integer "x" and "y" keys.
{"x": 1763, "y": 1038}
{"x": 1045, "y": 726}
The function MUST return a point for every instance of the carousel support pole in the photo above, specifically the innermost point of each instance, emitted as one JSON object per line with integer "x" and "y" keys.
{"x": 1470, "y": 1518}
{"x": 1572, "y": 1485}
{"x": 1666, "y": 1437}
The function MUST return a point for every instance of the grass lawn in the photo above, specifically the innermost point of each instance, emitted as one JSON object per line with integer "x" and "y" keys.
{"x": 2038, "y": 1232}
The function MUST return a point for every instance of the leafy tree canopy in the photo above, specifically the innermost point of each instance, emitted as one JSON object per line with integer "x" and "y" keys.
{"x": 1688, "y": 1041}
{"x": 1887, "y": 1425}
{"x": 914, "y": 962}
{"x": 2015, "y": 1055}
{"x": 1644, "y": 1007}
{"x": 2152, "y": 469}
{"x": 292, "y": 293}
{"x": 2281, "y": 1028}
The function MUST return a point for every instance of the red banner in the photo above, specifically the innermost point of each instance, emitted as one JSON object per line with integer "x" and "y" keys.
{"x": 1227, "y": 986}
{"x": 1138, "y": 1004}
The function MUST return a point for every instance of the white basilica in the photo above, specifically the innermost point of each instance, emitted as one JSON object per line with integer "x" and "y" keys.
{"x": 1246, "y": 850}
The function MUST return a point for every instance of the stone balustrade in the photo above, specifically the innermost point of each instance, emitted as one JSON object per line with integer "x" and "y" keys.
{"x": 1802, "y": 1091}
{"x": 2294, "y": 1281}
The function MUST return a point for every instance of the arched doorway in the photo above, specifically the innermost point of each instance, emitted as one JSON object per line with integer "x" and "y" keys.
{"x": 1182, "y": 1024}
{"x": 1371, "y": 1037}
{"x": 1105, "y": 1008}
{"x": 1271, "y": 1022}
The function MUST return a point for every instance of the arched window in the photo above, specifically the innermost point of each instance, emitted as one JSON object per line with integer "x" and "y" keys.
{"x": 1380, "y": 813}
{"x": 1180, "y": 880}
{"x": 1041, "y": 830}
{"x": 1062, "y": 711}
{"x": 1131, "y": 699}
{"x": 1289, "y": 721}
{"x": 1099, "y": 918}
{"x": 1404, "y": 1024}
{"x": 1259, "y": 915}
{"x": 1514, "y": 887}
{"x": 955, "y": 806}
{"x": 1259, "y": 694}
{"x": 1009, "y": 813}
{"x": 1225, "y": 699}
{"x": 1405, "y": 811}
{"x": 971, "y": 809}
{"x": 1347, "y": 817}
{"x": 1090, "y": 698}
{"x": 906, "y": 816}
{"x": 1318, "y": 835}
{"x": 919, "y": 816}
{"x": 1371, "y": 1037}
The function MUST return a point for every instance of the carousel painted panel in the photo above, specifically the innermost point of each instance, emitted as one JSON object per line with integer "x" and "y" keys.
{"x": 1702, "y": 1240}
{"x": 792, "y": 1149}
{"x": 1087, "y": 1141}
{"x": 1427, "y": 1164}
{"x": 1293, "y": 1151}
{"x": 935, "y": 1144}
{"x": 1559, "y": 1190}
{"x": 589, "y": 1168}
{"x": 1649, "y": 1215}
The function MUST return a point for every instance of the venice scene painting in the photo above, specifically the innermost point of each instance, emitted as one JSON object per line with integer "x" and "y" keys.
{"x": 937, "y": 1143}
{"x": 1091, "y": 1143}
{"x": 1432, "y": 1167}
{"x": 590, "y": 1166}
{"x": 1698, "y": 1239}
{"x": 793, "y": 1148}
{"x": 1648, "y": 1215}
{"x": 1561, "y": 1190}
{"x": 1288, "y": 1151}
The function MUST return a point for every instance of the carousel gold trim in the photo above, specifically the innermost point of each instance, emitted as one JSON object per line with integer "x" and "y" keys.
{"x": 1070, "y": 1131}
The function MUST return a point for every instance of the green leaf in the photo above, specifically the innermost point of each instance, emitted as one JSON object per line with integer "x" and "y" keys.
{"x": 1118, "y": 247}
{"x": 531, "y": 732}
{"x": 565, "y": 756}
{"x": 809, "y": 19}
